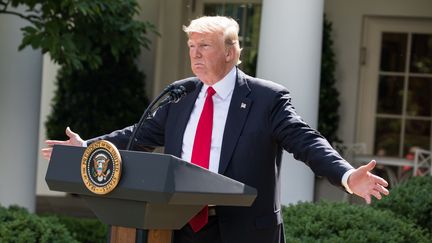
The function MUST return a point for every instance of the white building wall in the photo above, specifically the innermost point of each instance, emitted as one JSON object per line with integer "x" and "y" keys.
{"x": 20, "y": 86}
{"x": 347, "y": 18}
{"x": 169, "y": 64}
{"x": 150, "y": 10}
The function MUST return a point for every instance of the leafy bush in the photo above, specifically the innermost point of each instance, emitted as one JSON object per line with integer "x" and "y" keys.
{"x": 94, "y": 102}
{"x": 412, "y": 200}
{"x": 340, "y": 222}
{"x": 85, "y": 230}
{"x": 105, "y": 92}
{"x": 18, "y": 225}
{"x": 328, "y": 117}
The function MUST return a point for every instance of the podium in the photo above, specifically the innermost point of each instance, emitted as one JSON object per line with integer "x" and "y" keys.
{"x": 156, "y": 192}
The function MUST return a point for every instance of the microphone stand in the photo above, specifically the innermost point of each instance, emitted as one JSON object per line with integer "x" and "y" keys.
{"x": 175, "y": 94}
{"x": 148, "y": 113}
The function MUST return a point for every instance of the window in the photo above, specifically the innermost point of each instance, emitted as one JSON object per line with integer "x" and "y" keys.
{"x": 404, "y": 102}
{"x": 398, "y": 72}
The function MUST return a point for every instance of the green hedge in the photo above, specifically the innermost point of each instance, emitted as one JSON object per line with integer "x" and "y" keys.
{"x": 85, "y": 230}
{"x": 340, "y": 222}
{"x": 18, "y": 225}
{"x": 328, "y": 115}
{"x": 412, "y": 200}
{"x": 95, "y": 102}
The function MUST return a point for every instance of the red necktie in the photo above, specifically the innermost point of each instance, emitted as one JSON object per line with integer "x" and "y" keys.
{"x": 201, "y": 151}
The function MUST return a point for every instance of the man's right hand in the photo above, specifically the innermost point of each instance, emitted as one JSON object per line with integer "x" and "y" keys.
{"x": 74, "y": 140}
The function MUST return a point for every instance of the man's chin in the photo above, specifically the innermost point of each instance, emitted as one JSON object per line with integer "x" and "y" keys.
{"x": 198, "y": 71}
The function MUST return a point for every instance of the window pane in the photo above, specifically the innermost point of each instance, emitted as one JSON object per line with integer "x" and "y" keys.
{"x": 419, "y": 97}
{"x": 387, "y": 136}
{"x": 421, "y": 53}
{"x": 393, "y": 52}
{"x": 390, "y": 95}
{"x": 417, "y": 134}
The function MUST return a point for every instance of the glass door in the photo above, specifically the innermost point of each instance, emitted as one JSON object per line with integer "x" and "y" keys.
{"x": 395, "y": 101}
{"x": 403, "y": 112}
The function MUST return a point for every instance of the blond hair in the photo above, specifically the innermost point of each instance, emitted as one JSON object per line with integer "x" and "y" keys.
{"x": 217, "y": 24}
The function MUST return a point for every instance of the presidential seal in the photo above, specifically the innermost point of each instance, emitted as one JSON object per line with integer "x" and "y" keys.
{"x": 101, "y": 167}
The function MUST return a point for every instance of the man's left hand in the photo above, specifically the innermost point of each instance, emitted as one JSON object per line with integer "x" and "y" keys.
{"x": 364, "y": 184}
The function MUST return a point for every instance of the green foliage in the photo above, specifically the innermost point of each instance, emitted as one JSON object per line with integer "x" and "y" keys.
{"x": 94, "y": 102}
{"x": 96, "y": 43}
{"x": 85, "y": 230}
{"x": 328, "y": 117}
{"x": 17, "y": 225}
{"x": 340, "y": 222}
{"x": 412, "y": 200}
{"x": 77, "y": 33}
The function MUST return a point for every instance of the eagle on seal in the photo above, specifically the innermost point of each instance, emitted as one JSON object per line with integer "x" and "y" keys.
{"x": 100, "y": 165}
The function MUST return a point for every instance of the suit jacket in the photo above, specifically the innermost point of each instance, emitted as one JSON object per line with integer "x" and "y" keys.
{"x": 254, "y": 138}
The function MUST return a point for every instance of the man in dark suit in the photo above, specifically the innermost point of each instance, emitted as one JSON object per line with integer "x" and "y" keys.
{"x": 237, "y": 125}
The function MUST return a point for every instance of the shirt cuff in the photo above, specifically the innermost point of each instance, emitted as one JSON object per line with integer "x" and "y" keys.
{"x": 345, "y": 180}
{"x": 84, "y": 144}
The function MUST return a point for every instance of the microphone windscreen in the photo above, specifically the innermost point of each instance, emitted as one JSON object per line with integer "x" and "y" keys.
{"x": 188, "y": 86}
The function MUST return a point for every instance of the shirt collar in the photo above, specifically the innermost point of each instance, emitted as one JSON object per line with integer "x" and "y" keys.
{"x": 225, "y": 86}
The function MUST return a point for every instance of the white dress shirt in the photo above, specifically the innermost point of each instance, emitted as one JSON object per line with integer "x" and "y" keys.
{"x": 221, "y": 101}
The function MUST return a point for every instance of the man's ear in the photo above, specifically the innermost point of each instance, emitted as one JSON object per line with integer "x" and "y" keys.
{"x": 229, "y": 53}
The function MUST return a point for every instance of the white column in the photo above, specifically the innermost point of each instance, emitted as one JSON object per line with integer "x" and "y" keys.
{"x": 20, "y": 86}
{"x": 48, "y": 87}
{"x": 290, "y": 54}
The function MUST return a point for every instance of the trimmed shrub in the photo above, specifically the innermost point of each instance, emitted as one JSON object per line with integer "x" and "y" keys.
{"x": 340, "y": 222}
{"x": 102, "y": 89}
{"x": 328, "y": 116}
{"x": 85, "y": 230}
{"x": 412, "y": 200}
{"x": 18, "y": 225}
{"x": 94, "y": 102}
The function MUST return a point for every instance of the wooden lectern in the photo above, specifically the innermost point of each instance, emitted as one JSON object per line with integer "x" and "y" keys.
{"x": 156, "y": 192}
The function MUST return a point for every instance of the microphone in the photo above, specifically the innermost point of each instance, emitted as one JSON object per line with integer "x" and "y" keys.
{"x": 174, "y": 93}
{"x": 177, "y": 91}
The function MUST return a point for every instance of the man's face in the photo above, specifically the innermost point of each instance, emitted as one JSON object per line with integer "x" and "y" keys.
{"x": 210, "y": 60}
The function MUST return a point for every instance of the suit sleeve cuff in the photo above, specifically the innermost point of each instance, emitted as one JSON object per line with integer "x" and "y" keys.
{"x": 345, "y": 180}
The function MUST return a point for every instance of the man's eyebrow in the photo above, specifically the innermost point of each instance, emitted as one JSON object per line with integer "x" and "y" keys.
{"x": 200, "y": 41}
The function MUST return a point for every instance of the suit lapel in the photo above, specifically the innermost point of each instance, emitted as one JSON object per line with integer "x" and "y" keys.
{"x": 237, "y": 114}
{"x": 182, "y": 114}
